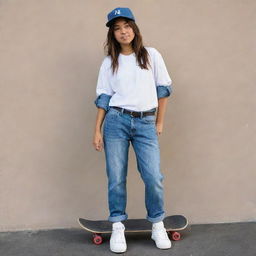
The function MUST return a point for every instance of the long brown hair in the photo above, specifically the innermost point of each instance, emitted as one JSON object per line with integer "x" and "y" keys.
{"x": 113, "y": 48}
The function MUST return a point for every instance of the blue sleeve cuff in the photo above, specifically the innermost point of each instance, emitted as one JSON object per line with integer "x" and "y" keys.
{"x": 163, "y": 91}
{"x": 102, "y": 101}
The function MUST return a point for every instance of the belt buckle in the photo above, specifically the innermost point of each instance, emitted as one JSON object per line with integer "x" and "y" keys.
{"x": 131, "y": 113}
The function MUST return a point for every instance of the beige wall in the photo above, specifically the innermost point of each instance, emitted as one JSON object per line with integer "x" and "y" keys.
{"x": 50, "y": 56}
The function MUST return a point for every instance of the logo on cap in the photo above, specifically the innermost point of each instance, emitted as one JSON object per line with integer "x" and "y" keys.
{"x": 117, "y": 12}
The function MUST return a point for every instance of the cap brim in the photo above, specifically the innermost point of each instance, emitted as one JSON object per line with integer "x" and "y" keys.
{"x": 108, "y": 24}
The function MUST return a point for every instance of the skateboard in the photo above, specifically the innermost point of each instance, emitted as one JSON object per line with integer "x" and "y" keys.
{"x": 172, "y": 224}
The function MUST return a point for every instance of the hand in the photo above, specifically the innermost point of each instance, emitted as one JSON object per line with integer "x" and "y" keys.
{"x": 159, "y": 128}
{"x": 98, "y": 141}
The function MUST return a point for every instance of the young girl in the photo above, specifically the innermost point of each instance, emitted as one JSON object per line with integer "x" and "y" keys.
{"x": 132, "y": 90}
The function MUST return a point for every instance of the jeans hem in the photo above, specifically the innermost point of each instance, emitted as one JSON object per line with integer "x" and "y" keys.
{"x": 118, "y": 218}
{"x": 156, "y": 219}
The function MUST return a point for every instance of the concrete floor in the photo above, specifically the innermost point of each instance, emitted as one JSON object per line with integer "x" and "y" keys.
{"x": 234, "y": 239}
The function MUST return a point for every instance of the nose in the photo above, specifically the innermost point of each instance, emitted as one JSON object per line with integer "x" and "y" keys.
{"x": 123, "y": 30}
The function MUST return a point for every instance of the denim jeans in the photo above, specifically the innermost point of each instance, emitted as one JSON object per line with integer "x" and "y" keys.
{"x": 118, "y": 131}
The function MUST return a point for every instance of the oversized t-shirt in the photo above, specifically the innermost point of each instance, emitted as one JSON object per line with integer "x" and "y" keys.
{"x": 131, "y": 87}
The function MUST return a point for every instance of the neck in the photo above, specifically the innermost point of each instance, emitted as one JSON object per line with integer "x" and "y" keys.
{"x": 126, "y": 49}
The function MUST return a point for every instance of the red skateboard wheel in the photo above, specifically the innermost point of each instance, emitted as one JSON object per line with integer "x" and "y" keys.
{"x": 175, "y": 236}
{"x": 97, "y": 239}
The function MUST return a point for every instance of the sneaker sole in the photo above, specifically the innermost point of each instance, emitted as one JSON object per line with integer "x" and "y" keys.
{"x": 160, "y": 247}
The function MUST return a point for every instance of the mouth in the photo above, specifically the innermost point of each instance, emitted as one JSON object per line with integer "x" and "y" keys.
{"x": 124, "y": 37}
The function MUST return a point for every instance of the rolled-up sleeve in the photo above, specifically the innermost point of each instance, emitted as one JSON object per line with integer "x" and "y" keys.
{"x": 162, "y": 78}
{"x": 104, "y": 91}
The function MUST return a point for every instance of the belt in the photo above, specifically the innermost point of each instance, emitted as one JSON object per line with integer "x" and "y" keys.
{"x": 135, "y": 113}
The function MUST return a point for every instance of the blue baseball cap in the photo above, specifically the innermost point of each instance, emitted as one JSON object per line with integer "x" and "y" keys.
{"x": 119, "y": 12}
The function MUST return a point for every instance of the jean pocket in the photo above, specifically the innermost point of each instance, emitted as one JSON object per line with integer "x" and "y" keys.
{"x": 149, "y": 119}
{"x": 112, "y": 113}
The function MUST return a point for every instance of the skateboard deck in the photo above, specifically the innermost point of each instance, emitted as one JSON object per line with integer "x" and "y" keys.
{"x": 172, "y": 224}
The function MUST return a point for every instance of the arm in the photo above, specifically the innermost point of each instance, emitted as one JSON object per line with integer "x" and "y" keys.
{"x": 99, "y": 119}
{"x": 162, "y": 103}
{"x": 98, "y": 140}
{"x": 163, "y": 88}
{"x": 104, "y": 93}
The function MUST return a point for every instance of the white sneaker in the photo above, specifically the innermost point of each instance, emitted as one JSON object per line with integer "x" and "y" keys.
{"x": 117, "y": 239}
{"x": 160, "y": 236}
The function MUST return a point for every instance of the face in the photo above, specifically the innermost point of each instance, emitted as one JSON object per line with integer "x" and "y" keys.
{"x": 123, "y": 32}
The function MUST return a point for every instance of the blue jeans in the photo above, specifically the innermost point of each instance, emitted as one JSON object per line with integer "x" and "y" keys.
{"x": 118, "y": 131}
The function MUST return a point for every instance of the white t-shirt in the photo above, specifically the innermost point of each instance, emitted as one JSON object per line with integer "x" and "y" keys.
{"x": 131, "y": 87}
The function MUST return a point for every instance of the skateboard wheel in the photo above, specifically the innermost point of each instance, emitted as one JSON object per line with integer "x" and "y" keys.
{"x": 97, "y": 239}
{"x": 175, "y": 236}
